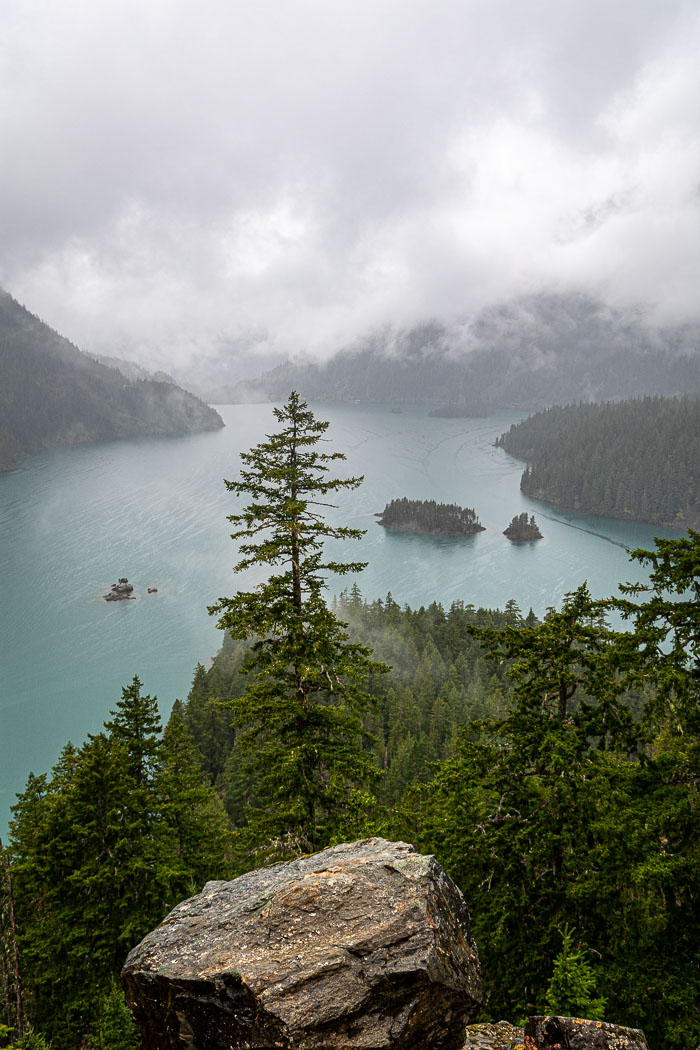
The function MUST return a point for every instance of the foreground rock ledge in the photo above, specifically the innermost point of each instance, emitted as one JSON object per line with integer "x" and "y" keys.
{"x": 365, "y": 945}
{"x": 574, "y": 1033}
{"x": 499, "y": 1036}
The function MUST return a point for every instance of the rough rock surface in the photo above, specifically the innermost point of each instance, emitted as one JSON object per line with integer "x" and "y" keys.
{"x": 574, "y": 1033}
{"x": 364, "y": 945}
{"x": 119, "y": 592}
{"x": 499, "y": 1036}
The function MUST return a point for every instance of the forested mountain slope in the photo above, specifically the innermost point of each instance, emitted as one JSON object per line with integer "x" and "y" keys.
{"x": 53, "y": 394}
{"x": 636, "y": 460}
{"x": 528, "y": 353}
{"x": 439, "y": 680}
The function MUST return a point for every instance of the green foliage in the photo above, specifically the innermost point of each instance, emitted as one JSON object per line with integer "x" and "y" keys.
{"x": 446, "y": 519}
{"x": 300, "y": 733}
{"x": 439, "y": 679}
{"x": 667, "y": 629}
{"x": 101, "y": 850}
{"x": 631, "y": 459}
{"x": 523, "y": 527}
{"x": 571, "y": 990}
{"x": 114, "y": 1029}
{"x": 569, "y": 813}
{"x": 30, "y": 1040}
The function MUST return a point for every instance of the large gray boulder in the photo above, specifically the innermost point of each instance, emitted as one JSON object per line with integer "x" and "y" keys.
{"x": 574, "y": 1033}
{"x": 365, "y": 945}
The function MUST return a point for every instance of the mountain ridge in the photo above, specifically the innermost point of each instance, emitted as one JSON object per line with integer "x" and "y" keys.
{"x": 52, "y": 393}
{"x": 525, "y": 354}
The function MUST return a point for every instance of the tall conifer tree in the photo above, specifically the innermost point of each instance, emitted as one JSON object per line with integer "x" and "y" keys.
{"x": 299, "y": 720}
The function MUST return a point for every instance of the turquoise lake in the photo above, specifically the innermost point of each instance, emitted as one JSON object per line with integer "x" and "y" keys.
{"x": 74, "y": 520}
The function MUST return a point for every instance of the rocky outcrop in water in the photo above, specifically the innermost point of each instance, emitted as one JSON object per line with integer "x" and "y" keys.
{"x": 367, "y": 944}
{"x": 119, "y": 592}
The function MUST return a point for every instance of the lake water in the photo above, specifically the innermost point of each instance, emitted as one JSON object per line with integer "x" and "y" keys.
{"x": 75, "y": 520}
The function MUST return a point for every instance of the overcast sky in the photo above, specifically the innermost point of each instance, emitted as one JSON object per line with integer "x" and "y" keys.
{"x": 177, "y": 177}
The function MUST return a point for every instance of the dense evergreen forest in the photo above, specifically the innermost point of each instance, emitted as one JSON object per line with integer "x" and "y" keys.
{"x": 551, "y": 766}
{"x": 588, "y": 821}
{"x": 637, "y": 460}
{"x": 441, "y": 519}
{"x": 52, "y": 394}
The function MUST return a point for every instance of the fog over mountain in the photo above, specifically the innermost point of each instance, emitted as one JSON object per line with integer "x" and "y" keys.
{"x": 526, "y": 353}
{"x": 206, "y": 191}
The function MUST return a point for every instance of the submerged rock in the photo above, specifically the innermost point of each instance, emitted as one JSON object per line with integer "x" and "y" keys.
{"x": 574, "y": 1033}
{"x": 365, "y": 945}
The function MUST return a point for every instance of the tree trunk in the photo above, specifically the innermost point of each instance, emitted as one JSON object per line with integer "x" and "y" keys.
{"x": 296, "y": 567}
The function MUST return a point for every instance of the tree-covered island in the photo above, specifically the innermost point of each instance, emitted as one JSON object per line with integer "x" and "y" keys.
{"x": 427, "y": 516}
{"x": 523, "y": 528}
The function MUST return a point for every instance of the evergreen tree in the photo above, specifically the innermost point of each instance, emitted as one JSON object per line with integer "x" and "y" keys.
{"x": 299, "y": 720}
{"x": 566, "y": 813}
{"x": 571, "y": 990}
{"x": 30, "y": 1040}
{"x": 114, "y": 1029}
{"x": 667, "y": 629}
{"x": 136, "y": 722}
{"x": 198, "y": 831}
{"x": 123, "y": 830}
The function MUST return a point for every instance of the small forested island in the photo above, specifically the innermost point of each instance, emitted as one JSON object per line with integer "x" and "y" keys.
{"x": 427, "y": 516}
{"x": 633, "y": 460}
{"x": 523, "y": 528}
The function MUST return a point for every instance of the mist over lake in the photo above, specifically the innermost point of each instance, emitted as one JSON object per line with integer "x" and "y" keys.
{"x": 74, "y": 520}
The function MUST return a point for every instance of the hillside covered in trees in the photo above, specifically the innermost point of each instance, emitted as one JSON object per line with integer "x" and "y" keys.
{"x": 436, "y": 519}
{"x": 636, "y": 460}
{"x": 53, "y": 394}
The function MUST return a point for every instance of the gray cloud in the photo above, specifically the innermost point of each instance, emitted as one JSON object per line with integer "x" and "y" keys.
{"x": 181, "y": 182}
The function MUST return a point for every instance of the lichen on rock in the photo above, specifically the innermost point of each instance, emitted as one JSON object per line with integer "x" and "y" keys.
{"x": 365, "y": 945}
{"x": 577, "y": 1033}
{"x": 501, "y": 1035}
